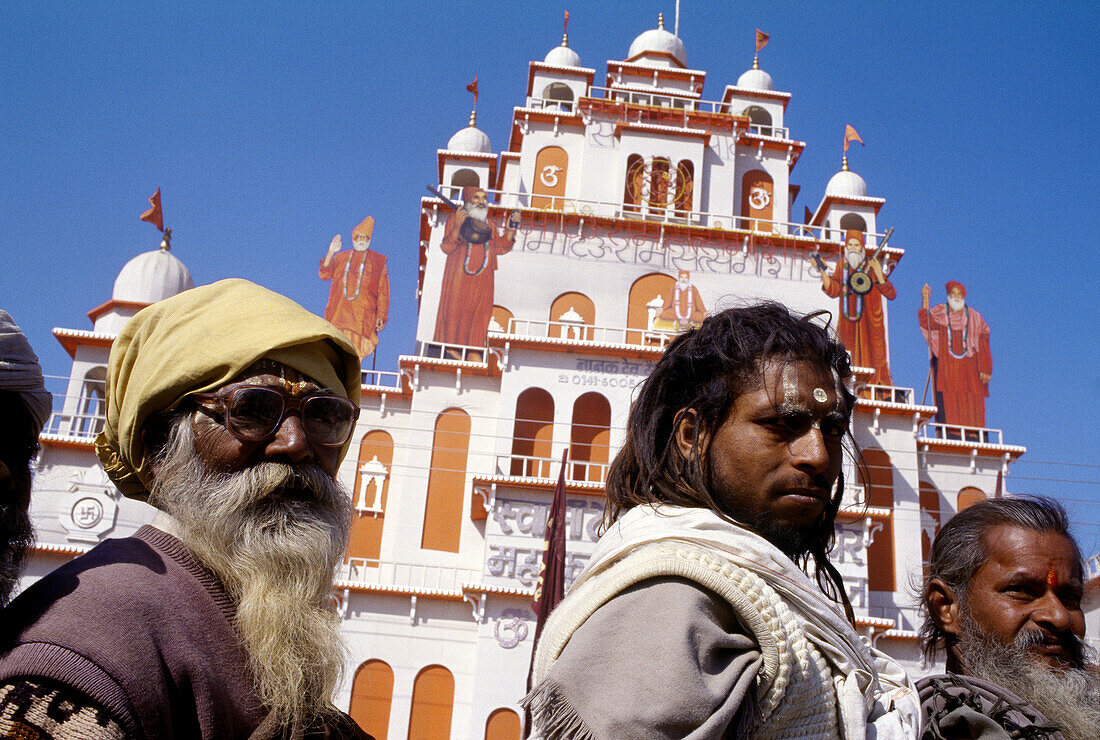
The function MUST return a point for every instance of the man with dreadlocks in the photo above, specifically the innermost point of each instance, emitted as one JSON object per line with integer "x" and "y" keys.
{"x": 1003, "y": 598}
{"x": 695, "y": 617}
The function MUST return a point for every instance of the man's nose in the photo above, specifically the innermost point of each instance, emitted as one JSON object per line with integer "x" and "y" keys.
{"x": 810, "y": 451}
{"x": 1052, "y": 613}
{"x": 290, "y": 441}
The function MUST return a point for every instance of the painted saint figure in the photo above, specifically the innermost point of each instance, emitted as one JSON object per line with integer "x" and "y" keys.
{"x": 861, "y": 325}
{"x": 359, "y": 297}
{"x": 472, "y": 242}
{"x": 958, "y": 338}
{"x": 684, "y": 307}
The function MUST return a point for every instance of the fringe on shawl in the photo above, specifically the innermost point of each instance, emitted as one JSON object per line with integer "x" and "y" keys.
{"x": 553, "y": 717}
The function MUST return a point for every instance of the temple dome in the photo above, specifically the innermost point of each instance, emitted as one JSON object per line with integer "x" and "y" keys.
{"x": 563, "y": 56}
{"x": 470, "y": 139}
{"x": 755, "y": 79}
{"x": 660, "y": 42}
{"x": 847, "y": 183}
{"x": 151, "y": 277}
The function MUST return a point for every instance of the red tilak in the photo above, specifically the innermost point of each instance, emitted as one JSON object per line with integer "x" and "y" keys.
{"x": 1052, "y": 578}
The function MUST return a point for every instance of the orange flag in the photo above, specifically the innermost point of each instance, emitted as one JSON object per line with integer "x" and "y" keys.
{"x": 154, "y": 214}
{"x": 472, "y": 87}
{"x": 850, "y": 135}
{"x": 761, "y": 39}
{"x": 565, "y": 27}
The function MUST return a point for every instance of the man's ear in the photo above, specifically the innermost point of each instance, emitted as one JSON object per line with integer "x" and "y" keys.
{"x": 943, "y": 606}
{"x": 687, "y": 433}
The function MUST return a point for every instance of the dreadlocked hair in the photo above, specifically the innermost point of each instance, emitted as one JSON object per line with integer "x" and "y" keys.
{"x": 706, "y": 369}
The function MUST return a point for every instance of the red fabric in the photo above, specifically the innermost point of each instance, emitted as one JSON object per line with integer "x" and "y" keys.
{"x": 952, "y": 284}
{"x": 154, "y": 215}
{"x": 472, "y": 87}
{"x": 466, "y": 301}
{"x": 761, "y": 39}
{"x": 676, "y": 305}
{"x": 358, "y": 318}
{"x": 866, "y": 338}
{"x": 957, "y": 379}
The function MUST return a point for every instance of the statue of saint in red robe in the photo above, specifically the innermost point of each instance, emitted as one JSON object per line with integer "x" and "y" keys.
{"x": 359, "y": 297}
{"x": 472, "y": 242}
{"x": 683, "y": 309}
{"x": 861, "y": 325}
{"x": 958, "y": 338}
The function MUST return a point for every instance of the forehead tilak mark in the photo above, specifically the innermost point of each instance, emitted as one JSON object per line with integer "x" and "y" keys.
{"x": 1052, "y": 578}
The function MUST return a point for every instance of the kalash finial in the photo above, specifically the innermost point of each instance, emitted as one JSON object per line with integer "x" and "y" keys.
{"x": 661, "y": 21}
{"x": 473, "y": 118}
{"x": 844, "y": 164}
{"x": 166, "y": 242}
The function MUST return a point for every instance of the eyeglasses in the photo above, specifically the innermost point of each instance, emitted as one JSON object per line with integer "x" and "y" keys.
{"x": 253, "y": 413}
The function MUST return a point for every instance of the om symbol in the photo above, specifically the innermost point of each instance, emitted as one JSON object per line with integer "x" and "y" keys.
{"x": 759, "y": 197}
{"x": 511, "y": 628}
{"x": 549, "y": 175}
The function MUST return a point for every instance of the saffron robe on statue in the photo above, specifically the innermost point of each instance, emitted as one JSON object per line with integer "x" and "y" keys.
{"x": 359, "y": 296}
{"x": 683, "y": 309}
{"x": 959, "y": 341}
{"x": 861, "y": 323}
{"x": 466, "y": 300}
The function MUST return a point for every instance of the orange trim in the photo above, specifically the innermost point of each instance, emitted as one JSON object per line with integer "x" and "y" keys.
{"x": 641, "y": 70}
{"x": 962, "y": 446}
{"x": 595, "y": 490}
{"x": 103, "y": 308}
{"x": 744, "y": 92}
{"x": 896, "y": 409}
{"x": 532, "y": 67}
{"x": 844, "y": 200}
{"x": 445, "y": 155}
{"x": 65, "y": 442}
{"x": 70, "y": 342}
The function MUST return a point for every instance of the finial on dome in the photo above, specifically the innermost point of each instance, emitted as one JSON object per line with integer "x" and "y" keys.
{"x": 661, "y": 21}
{"x": 756, "y": 61}
{"x": 844, "y": 164}
{"x": 473, "y": 118}
{"x": 166, "y": 242}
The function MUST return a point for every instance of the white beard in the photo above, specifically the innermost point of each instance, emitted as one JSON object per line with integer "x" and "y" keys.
{"x": 478, "y": 213}
{"x": 853, "y": 259}
{"x": 956, "y": 304}
{"x": 360, "y": 246}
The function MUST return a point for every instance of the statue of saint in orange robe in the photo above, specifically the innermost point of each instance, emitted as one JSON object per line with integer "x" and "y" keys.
{"x": 684, "y": 307}
{"x": 958, "y": 338}
{"x": 861, "y": 324}
{"x": 472, "y": 242}
{"x": 359, "y": 297}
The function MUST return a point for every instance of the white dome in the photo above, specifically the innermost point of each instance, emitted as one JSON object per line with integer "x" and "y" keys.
{"x": 151, "y": 277}
{"x": 660, "y": 41}
{"x": 755, "y": 79}
{"x": 847, "y": 183}
{"x": 563, "y": 56}
{"x": 470, "y": 139}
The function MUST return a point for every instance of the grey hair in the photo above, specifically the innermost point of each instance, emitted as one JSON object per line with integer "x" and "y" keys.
{"x": 959, "y": 550}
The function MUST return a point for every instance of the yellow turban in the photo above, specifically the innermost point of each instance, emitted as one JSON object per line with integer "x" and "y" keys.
{"x": 198, "y": 341}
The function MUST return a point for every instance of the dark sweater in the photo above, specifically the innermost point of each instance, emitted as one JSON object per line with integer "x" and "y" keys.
{"x": 144, "y": 631}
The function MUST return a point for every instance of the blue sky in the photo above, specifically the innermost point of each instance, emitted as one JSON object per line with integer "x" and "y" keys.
{"x": 272, "y": 127}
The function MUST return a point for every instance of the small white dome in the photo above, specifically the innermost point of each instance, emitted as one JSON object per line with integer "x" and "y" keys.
{"x": 151, "y": 277}
{"x": 755, "y": 79}
{"x": 660, "y": 41}
{"x": 470, "y": 139}
{"x": 563, "y": 56}
{"x": 847, "y": 183}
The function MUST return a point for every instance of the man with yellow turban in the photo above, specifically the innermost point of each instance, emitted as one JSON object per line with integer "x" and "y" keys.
{"x": 359, "y": 297}
{"x": 229, "y": 408}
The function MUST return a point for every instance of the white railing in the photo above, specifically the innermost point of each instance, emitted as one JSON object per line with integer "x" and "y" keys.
{"x": 382, "y": 378}
{"x": 370, "y": 572}
{"x": 934, "y": 430}
{"x": 775, "y": 132}
{"x": 744, "y": 227}
{"x": 551, "y": 104}
{"x": 576, "y": 332}
{"x": 441, "y": 351}
{"x": 85, "y": 426}
{"x": 886, "y": 393}
{"x": 576, "y": 471}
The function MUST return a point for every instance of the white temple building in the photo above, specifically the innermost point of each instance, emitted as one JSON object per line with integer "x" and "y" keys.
{"x": 622, "y": 184}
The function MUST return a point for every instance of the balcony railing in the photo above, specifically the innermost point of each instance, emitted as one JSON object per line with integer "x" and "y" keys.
{"x": 369, "y": 572}
{"x": 886, "y": 393}
{"x": 576, "y": 471}
{"x": 936, "y": 431}
{"x": 441, "y": 351}
{"x": 382, "y": 378}
{"x": 578, "y": 332}
{"x": 85, "y": 426}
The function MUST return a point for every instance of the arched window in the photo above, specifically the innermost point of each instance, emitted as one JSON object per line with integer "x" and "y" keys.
{"x": 758, "y": 117}
{"x": 551, "y": 172}
{"x": 929, "y": 519}
{"x": 533, "y": 434}
{"x": 880, "y": 494}
{"x": 432, "y": 704}
{"x": 92, "y": 411}
{"x": 501, "y": 320}
{"x": 463, "y": 178}
{"x": 561, "y": 93}
{"x": 852, "y": 222}
{"x": 570, "y": 313}
{"x": 647, "y": 296}
{"x": 503, "y": 724}
{"x": 684, "y": 185}
{"x": 446, "y": 481}
{"x": 369, "y": 497}
{"x": 969, "y": 496}
{"x": 635, "y": 183}
{"x": 371, "y": 696}
{"x": 757, "y": 196}
{"x": 589, "y": 438}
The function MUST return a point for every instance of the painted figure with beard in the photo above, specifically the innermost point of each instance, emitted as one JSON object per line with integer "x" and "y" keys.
{"x": 359, "y": 297}
{"x": 1002, "y": 597}
{"x": 861, "y": 325}
{"x": 684, "y": 307}
{"x": 472, "y": 242}
{"x": 709, "y": 608}
{"x": 24, "y": 406}
{"x": 958, "y": 339}
{"x": 229, "y": 408}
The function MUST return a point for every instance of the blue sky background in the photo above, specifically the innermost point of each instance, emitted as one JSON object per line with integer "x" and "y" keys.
{"x": 271, "y": 127}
